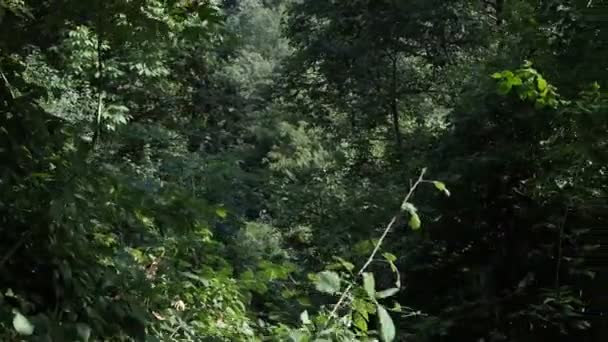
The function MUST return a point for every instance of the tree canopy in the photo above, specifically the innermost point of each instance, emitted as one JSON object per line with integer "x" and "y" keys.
{"x": 305, "y": 171}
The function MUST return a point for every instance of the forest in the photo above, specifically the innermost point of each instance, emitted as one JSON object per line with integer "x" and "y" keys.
{"x": 304, "y": 170}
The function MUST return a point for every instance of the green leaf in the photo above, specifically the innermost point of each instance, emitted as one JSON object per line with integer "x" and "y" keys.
{"x": 515, "y": 81}
{"x": 298, "y": 336}
{"x": 441, "y": 187}
{"x": 369, "y": 284}
{"x": 496, "y": 75}
{"x": 389, "y": 257}
{"x": 507, "y": 74}
{"x": 541, "y": 83}
{"x": 328, "y": 282}
{"x": 414, "y": 222}
{"x": 387, "y": 327}
{"x": 408, "y": 207}
{"x": 362, "y": 307}
{"x": 387, "y": 293}
{"x": 221, "y": 212}
{"x": 304, "y": 301}
{"x": 304, "y": 318}
{"x": 365, "y": 247}
{"x": 540, "y": 104}
{"x": 347, "y": 265}
{"x": 504, "y": 88}
{"x": 84, "y": 331}
{"x": 360, "y": 322}
{"x": 21, "y": 324}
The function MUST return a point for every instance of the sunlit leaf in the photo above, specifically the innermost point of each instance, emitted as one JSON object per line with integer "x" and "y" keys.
{"x": 360, "y": 322}
{"x": 304, "y": 318}
{"x": 221, "y": 212}
{"x": 387, "y": 293}
{"x": 496, "y": 75}
{"x": 414, "y": 222}
{"x": 541, "y": 83}
{"x": 387, "y": 327}
{"x": 408, "y": 207}
{"x": 369, "y": 284}
{"x": 441, "y": 187}
{"x": 328, "y": 282}
{"x": 21, "y": 324}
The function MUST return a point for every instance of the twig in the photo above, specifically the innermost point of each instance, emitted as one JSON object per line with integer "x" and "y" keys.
{"x": 378, "y": 245}
{"x": 8, "y": 84}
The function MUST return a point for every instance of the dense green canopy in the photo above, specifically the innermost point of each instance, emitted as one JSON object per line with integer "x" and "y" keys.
{"x": 305, "y": 171}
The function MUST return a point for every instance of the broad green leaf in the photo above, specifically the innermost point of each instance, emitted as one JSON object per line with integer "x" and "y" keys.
{"x": 507, "y": 74}
{"x": 221, "y": 212}
{"x": 496, "y": 75}
{"x": 360, "y": 322}
{"x": 304, "y": 318}
{"x": 327, "y": 282}
{"x": 387, "y": 327}
{"x": 414, "y": 222}
{"x": 369, "y": 284}
{"x": 541, "y": 83}
{"x": 21, "y": 324}
{"x": 387, "y": 293}
{"x": 441, "y": 187}
{"x": 362, "y": 307}
{"x": 515, "y": 81}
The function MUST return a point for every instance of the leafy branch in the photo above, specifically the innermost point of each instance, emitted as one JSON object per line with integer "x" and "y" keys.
{"x": 404, "y": 207}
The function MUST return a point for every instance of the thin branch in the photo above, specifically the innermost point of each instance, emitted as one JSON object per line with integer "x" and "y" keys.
{"x": 8, "y": 84}
{"x": 379, "y": 244}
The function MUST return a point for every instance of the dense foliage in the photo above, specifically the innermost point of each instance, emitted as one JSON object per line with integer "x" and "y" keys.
{"x": 283, "y": 170}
